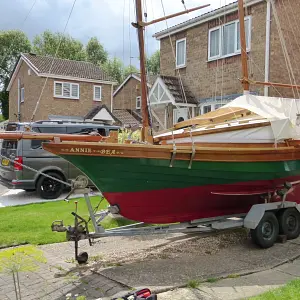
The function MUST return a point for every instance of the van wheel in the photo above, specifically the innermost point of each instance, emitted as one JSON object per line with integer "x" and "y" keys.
{"x": 266, "y": 232}
{"x": 289, "y": 223}
{"x": 48, "y": 188}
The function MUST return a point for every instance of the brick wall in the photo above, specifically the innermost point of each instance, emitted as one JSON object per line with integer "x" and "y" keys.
{"x": 220, "y": 77}
{"x": 288, "y": 13}
{"x": 50, "y": 105}
{"x": 126, "y": 97}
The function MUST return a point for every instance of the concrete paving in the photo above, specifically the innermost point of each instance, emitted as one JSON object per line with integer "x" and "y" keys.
{"x": 241, "y": 287}
{"x": 20, "y": 197}
{"x": 253, "y": 270}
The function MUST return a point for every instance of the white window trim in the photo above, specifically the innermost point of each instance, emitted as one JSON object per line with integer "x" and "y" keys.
{"x": 136, "y": 101}
{"x": 97, "y": 86}
{"x": 184, "y": 64}
{"x": 22, "y": 100}
{"x": 64, "y": 97}
{"x": 236, "y": 51}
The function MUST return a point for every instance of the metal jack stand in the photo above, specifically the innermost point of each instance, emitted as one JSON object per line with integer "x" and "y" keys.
{"x": 80, "y": 229}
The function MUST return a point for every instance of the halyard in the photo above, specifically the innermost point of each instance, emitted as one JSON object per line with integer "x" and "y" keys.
{"x": 31, "y": 223}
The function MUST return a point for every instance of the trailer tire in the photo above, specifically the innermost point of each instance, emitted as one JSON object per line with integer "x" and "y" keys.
{"x": 289, "y": 223}
{"x": 266, "y": 232}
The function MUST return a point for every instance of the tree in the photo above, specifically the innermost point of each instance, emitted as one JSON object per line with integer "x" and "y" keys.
{"x": 12, "y": 44}
{"x": 20, "y": 259}
{"x": 153, "y": 63}
{"x": 116, "y": 69}
{"x": 47, "y": 43}
{"x": 129, "y": 70}
{"x": 95, "y": 52}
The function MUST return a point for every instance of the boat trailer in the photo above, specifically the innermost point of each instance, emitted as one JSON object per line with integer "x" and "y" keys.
{"x": 266, "y": 222}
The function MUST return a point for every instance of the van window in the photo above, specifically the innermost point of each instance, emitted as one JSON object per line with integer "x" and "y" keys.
{"x": 54, "y": 129}
{"x": 9, "y": 144}
{"x": 85, "y": 130}
{"x": 36, "y": 144}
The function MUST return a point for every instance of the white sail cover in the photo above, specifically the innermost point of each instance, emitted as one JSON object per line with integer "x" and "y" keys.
{"x": 281, "y": 112}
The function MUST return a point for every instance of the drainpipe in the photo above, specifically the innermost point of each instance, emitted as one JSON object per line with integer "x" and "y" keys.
{"x": 267, "y": 54}
{"x": 111, "y": 98}
{"x": 19, "y": 100}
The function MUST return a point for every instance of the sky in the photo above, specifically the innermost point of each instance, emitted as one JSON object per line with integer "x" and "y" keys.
{"x": 108, "y": 20}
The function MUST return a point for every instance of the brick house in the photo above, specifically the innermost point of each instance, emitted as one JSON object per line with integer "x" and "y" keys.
{"x": 127, "y": 101}
{"x": 207, "y": 57}
{"x": 70, "y": 88}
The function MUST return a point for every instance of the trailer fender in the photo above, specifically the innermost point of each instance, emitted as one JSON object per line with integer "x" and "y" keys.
{"x": 257, "y": 211}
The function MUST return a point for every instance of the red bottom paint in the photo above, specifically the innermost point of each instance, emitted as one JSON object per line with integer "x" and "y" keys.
{"x": 186, "y": 204}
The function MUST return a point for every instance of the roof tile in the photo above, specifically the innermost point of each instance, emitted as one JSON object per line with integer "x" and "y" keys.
{"x": 66, "y": 67}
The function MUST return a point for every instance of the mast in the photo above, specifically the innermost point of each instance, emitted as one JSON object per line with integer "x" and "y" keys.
{"x": 145, "y": 114}
{"x": 146, "y": 130}
{"x": 245, "y": 79}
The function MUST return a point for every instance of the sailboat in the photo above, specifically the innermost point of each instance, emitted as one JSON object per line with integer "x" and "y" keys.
{"x": 192, "y": 171}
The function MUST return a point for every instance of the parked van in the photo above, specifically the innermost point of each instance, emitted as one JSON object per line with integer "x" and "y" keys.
{"x": 30, "y": 153}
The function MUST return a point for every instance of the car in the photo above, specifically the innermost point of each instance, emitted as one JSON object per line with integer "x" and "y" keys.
{"x": 35, "y": 160}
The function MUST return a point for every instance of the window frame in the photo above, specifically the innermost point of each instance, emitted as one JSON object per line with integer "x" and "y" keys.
{"x": 136, "y": 101}
{"x": 184, "y": 64}
{"x": 221, "y": 29}
{"x": 206, "y": 105}
{"x": 62, "y": 90}
{"x": 22, "y": 100}
{"x": 94, "y": 97}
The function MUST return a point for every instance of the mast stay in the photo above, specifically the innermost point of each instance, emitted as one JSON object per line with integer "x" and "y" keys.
{"x": 146, "y": 129}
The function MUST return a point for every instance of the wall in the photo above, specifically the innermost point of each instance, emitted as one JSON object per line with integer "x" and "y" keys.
{"x": 126, "y": 97}
{"x": 49, "y": 104}
{"x": 288, "y": 15}
{"x": 220, "y": 77}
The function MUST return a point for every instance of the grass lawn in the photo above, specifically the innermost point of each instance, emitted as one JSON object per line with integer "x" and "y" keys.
{"x": 290, "y": 291}
{"x": 31, "y": 223}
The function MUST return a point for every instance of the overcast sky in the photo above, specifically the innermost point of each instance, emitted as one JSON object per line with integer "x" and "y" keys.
{"x": 108, "y": 20}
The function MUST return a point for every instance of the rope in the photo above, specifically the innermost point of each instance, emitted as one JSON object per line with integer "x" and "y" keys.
{"x": 36, "y": 171}
{"x": 174, "y": 55}
{"x": 39, "y": 99}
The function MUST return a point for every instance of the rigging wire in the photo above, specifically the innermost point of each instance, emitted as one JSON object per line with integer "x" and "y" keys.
{"x": 49, "y": 72}
{"x": 123, "y": 56}
{"x": 21, "y": 25}
{"x": 180, "y": 81}
{"x": 295, "y": 39}
{"x": 174, "y": 55}
{"x": 130, "y": 62}
{"x": 283, "y": 44}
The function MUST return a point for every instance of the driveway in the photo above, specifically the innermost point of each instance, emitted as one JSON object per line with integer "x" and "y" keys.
{"x": 20, "y": 197}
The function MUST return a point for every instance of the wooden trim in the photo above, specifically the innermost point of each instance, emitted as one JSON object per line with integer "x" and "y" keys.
{"x": 216, "y": 116}
{"x": 210, "y": 154}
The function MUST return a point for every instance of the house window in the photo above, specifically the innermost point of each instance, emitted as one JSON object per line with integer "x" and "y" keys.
{"x": 224, "y": 41}
{"x": 206, "y": 109}
{"x": 97, "y": 93}
{"x": 138, "y": 102}
{"x": 180, "y": 53}
{"x": 66, "y": 90}
{"x": 22, "y": 94}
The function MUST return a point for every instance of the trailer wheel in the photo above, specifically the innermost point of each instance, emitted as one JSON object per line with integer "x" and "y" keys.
{"x": 82, "y": 258}
{"x": 289, "y": 223}
{"x": 266, "y": 232}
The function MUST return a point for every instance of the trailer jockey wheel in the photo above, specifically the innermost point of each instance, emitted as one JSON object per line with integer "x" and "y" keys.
{"x": 289, "y": 223}
{"x": 266, "y": 232}
{"x": 82, "y": 257}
